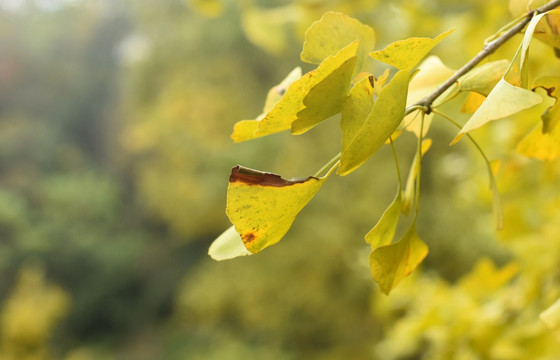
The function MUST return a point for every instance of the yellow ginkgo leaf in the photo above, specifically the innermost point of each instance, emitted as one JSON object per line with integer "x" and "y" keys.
{"x": 406, "y": 54}
{"x": 333, "y": 32}
{"x": 262, "y": 206}
{"x": 385, "y": 116}
{"x": 392, "y": 263}
{"x": 285, "y": 111}
{"x": 382, "y": 233}
{"x": 325, "y": 99}
{"x": 503, "y": 101}
{"x": 355, "y": 109}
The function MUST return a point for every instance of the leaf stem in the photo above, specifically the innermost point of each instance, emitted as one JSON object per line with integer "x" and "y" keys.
{"x": 332, "y": 162}
{"x": 498, "y": 213}
{"x": 396, "y": 162}
{"x": 488, "y": 49}
{"x": 419, "y": 174}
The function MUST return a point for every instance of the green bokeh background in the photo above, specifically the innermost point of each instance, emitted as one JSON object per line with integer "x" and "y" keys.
{"x": 115, "y": 119}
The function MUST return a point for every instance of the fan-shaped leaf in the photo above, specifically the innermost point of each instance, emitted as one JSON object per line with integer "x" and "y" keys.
{"x": 385, "y": 116}
{"x": 406, "y": 54}
{"x": 333, "y": 32}
{"x": 262, "y": 206}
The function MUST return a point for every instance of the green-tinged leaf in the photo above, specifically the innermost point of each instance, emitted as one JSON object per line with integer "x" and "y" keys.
{"x": 503, "y": 101}
{"x": 383, "y": 232}
{"x": 280, "y": 118}
{"x": 406, "y": 54}
{"x": 355, "y": 109}
{"x": 551, "y": 316}
{"x": 262, "y": 206}
{"x": 266, "y": 28}
{"x": 392, "y": 263}
{"x": 333, "y": 32}
{"x": 539, "y": 145}
{"x": 483, "y": 78}
{"x": 325, "y": 99}
{"x": 228, "y": 246}
{"x": 551, "y": 117}
{"x": 277, "y": 92}
{"x": 527, "y": 41}
{"x": 432, "y": 73}
{"x": 385, "y": 116}
{"x": 408, "y": 197}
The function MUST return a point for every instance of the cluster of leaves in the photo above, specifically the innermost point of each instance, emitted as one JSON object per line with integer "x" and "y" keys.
{"x": 374, "y": 110}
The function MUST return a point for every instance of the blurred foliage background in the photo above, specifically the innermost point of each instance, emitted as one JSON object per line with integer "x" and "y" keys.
{"x": 115, "y": 119}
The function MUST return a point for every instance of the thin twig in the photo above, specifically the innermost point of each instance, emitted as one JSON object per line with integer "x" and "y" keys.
{"x": 487, "y": 50}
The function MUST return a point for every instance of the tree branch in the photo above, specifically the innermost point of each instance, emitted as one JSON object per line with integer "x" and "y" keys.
{"x": 487, "y": 50}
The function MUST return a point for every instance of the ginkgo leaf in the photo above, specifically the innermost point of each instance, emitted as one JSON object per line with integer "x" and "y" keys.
{"x": 384, "y": 231}
{"x": 432, "y": 73}
{"x": 262, "y": 206}
{"x": 483, "y": 78}
{"x": 551, "y": 316}
{"x": 355, "y": 109}
{"x": 285, "y": 112}
{"x": 408, "y": 196}
{"x": 333, "y": 32}
{"x": 551, "y": 117}
{"x": 406, "y": 54}
{"x": 277, "y": 92}
{"x": 325, "y": 99}
{"x": 228, "y": 246}
{"x": 244, "y": 130}
{"x": 385, "y": 116}
{"x": 503, "y": 101}
{"x": 391, "y": 263}
{"x": 539, "y": 145}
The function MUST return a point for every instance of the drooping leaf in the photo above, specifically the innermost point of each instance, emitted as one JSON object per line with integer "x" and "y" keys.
{"x": 262, "y": 206}
{"x": 406, "y": 54}
{"x": 391, "y": 263}
{"x": 385, "y": 116}
{"x": 408, "y": 196}
{"x": 527, "y": 37}
{"x": 551, "y": 316}
{"x": 551, "y": 117}
{"x": 285, "y": 112}
{"x": 325, "y": 99}
{"x": 355, "y": 109}
{"x": 333, "y": 32}
{"x": 503, "y": 101}
{"x": 228, "y": 246}
{"x": 384, "y": 231}
{"x": 483, "y": 78}
{"x": 539, "y": 145}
